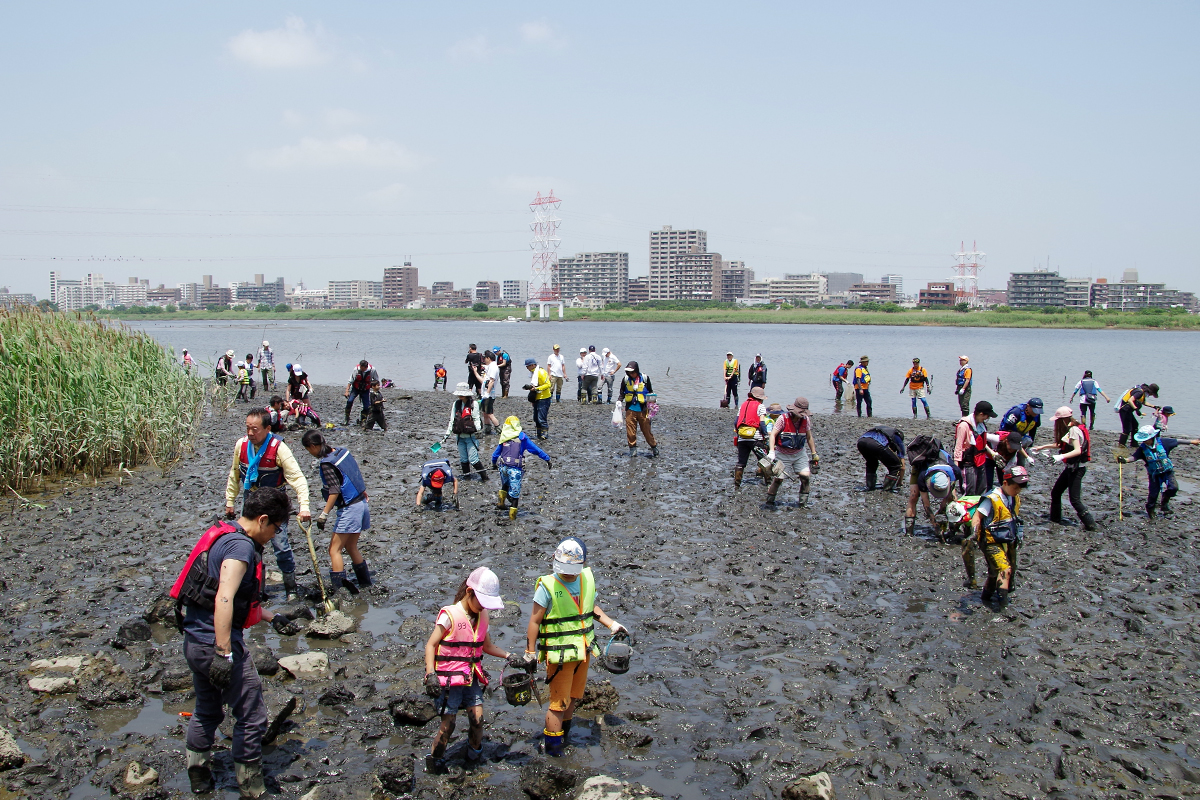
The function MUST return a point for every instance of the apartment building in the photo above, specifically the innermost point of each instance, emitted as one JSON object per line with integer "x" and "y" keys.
{"x": 670, "y": 273}
{"x": 639, "y": 290}
{"x": 1077, "y": 293}
{"x": 874, "y": 293}
{"x": 514, "y": 292}
{"x": 597, "y": 276}
{"x": 487, "y": 292}
{"x": 938, "y": 295}
{"x": 735, "y": 281}
{"x": 1037, "y": 289}
{"x": 259, "y": 291}
{"x": 399, "y": 285}
{"x": 789, "y": 289}
{"x": 355, "y": 294}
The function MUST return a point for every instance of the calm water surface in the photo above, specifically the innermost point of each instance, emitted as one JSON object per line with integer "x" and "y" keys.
{"x": 684, "y": 359}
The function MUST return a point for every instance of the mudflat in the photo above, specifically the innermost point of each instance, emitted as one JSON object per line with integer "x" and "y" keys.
{"x": 771, "y": 643}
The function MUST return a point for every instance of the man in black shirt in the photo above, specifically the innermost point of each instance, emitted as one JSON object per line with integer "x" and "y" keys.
{"x": 474, "y": 362}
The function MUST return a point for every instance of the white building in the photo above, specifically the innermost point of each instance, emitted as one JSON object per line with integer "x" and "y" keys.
{"x": 74, "y": 295}
{"x": 514, "y": 292}
{"x": 896, "y": 280}
{"x": 598, "y": 276}
{"x": 810, "y": 289}
{"x": 1077, "y": 292}
{"x": 671, "y": 276}
{"x": 349, "y": 294}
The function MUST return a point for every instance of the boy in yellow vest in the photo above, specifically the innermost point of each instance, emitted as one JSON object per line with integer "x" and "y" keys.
{"x": 561, "y": 632}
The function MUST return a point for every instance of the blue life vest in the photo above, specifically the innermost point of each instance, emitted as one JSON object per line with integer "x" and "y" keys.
{"x": 353, "y": 487}
{"x": 1087, "y": 388}
{"x": 511, "y": 454}
{"x": 1157, "y": 460}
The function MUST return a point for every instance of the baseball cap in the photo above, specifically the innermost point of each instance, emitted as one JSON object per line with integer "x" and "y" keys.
{"x": 556, "y": 347}
{"x": 569, "y": 557}
{"x": 939, "y": 484}
{"x": 606, "y": 351}
{"x": 1017, "y": 475}
{"x": 728, "y": 352}
{"x": 241, "y": 363}
{"x": 1063, "y": 412}
{"x": 583, "y": 349}
{"x": 963, "y": 358}
{"x": 592, "y": 348}
{"x": 266, "y": 343}
{"x": 487, "y": 588}
{"x": 297, "y": 369}
{"x": 916, "y": 361}
{"x": 1036, "y": 404}
{"x": 984, "y": 407}
{"x": 437, "y": 478}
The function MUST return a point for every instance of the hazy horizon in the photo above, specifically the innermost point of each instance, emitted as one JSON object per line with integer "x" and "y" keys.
{"x": 319, "y": 142}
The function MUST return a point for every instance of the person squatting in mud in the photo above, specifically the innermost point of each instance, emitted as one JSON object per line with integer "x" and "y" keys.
{"x": 509, "y": 459}
{"x": 883, "y": 444}
{"x": 560, "y": 634}
{"x": 434, "y": 477}
{"x": 343, "y": 488}
{"x": 454, "y": 673}
{"x": 930, "y": 474}
{"x": 787, "y": 441}
{"x": 220, "y": 588}
{"x": 261, "y": 459}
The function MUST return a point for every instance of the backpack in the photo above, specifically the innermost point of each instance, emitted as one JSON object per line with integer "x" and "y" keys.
{"x": 464, "y": 421}
{"x": 924, "y": 448}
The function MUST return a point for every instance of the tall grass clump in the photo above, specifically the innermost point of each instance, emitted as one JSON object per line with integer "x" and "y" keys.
{"x": 78, "y": 395}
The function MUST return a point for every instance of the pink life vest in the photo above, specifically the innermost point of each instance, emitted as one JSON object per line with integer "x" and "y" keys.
{"x": 460, "y": 653}
{"x": 195, "y": 586}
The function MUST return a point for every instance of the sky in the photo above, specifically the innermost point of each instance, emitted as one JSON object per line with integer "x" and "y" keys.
{"x": 320, "y": 141}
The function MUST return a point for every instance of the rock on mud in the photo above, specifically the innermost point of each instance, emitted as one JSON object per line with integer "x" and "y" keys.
{"x": 814, "y": 787}
{"x": 411, "y": 709}
{"x": 286, "y": 708}
{"x": 265, "y": 661}
{"x": 176, "y": 679}
{"x": 397, "y": 775}
{"x": 543, "y": 781}
{"x": 53, "y": 685}
{"x": 11, "y": 756}
{"x": 134, "y": 630}
{"x": 631, "y": 735}
{"x": 331, "y": 626}
{"x": 63, "y": 664}
{"x": 306, "y": 666}
{"x": 602, "y": 787}
{"x": 599, "y": 697}
{"x": 103, "y": 682}
{"x": 355, "y": 788}
{"x": 161, "y": 610}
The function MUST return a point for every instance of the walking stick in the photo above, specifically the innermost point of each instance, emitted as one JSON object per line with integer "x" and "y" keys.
{"x": 1121, "y": 491}
{"x": 326, "y": 603}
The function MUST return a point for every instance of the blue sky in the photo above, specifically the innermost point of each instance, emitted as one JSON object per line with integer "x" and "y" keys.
{"x": 319, "y": 141}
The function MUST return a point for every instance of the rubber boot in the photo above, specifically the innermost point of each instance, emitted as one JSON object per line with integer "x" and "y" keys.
{"x": 347, "y": 422}
{"x": 1001, "y": 598}
{"x": 481, "y": 470}
{"x": 1089, "y": 522}
{"x": 512, "y": 511}
{"x": 336, "y": 579}
{"x": 632, "y": 451}
{"x": 503, "y": 498}
{"x": 969, "y": 563}
{"x": 927, "y": 416}
{"x": 1165, "y": 510}
{"x": 802, "y": 501}
{"x": 773, "y": 490}
{"x": 289, "y": 585}
{"x": 363, "y": 573}
{"x": 199, "y": 770}
{"x": 654, "y": 450}
{"x": 566, "y": 730}
{"x": 989, "y": 588}
{"x": 474, "y": 756}
{"x": 555, "y": 742}
{"x": 250, "y": 779}
{"x": 910, "y": 526}
{"x": 737, "y": 476}
{"x": 464, "y": 467}
{"x": 1150, "y": 512}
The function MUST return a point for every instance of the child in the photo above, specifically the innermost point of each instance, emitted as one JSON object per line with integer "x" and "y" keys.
{"x": 996, "y": 526}
{"x": 244, "y": 384}
{"x": 434, "y": 475}
{"x": 439, "y": 377}
{"x": 342, "y": 485}
{"x": 279, "y": 414}
{"x": 375, "y": 415}
{"x": 560, "y": 633}
{"x": 250, "y": 374}
{"x": 510, "y": 453}
{"x": 1155, "y": 450}
{"x": 464, "y": 423}
{"x": 454, "y": 674}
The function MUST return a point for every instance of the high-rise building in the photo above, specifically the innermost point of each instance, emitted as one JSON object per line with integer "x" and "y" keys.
{"x": 131, "y": 293}
{"x": 896, "y": 280}
{"x": 789, "y": 289}
{"x": 356, "y": 294}
{"x": 597, "y": 276}
{"x": 667, "y": 249}
{"x": 1129, "y": 295}
{"x": 1036, "y": 289}
{"x": 735, "y": 281}
{"x": 442, "y": 287}
{"x": 216, "y": 295}
{"x": 399, "y": 285}
{"x": 259, "y": 292}
{"x": 1077, "y": 292}
{"x": 514, "y": 292}
{"x": 92, "y": 290}
{"x": 840, "y": 282}
{"x": 639, "y": 290}
{"x": 487, "y": 292}
{"x": 189, "y": 293}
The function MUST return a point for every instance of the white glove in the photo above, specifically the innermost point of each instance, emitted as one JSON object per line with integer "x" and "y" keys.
{"x": 616, "y": 626}
{"x": 1057, "y": 459}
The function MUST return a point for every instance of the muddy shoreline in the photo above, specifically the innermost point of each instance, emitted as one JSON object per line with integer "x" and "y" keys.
{"x": 773, "y": 643}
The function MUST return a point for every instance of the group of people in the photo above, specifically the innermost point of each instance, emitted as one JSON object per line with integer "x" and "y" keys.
{"x": 918, "y": 382}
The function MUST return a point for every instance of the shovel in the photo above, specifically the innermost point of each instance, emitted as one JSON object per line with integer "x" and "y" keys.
{"x": 326, "y": 603}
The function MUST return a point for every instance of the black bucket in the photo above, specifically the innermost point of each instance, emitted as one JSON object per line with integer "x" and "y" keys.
{"x": 618, "y": 653}
{"x": 518, "y": 688}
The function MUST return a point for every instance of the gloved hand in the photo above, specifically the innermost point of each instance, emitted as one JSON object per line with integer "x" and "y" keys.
{"x": 220, "y": 671}
{"x": 616, "y": 626}
{"x": 285, "y": 625}
{"x": 494, "y": 464}
{"x": 1058, "y": 459}
{"x": 230, "y": 513}
{"x": 527, "y": 661}
{"x": 1123, "y": 459}
{"x": 433, "y": 687}
{"x": 321, "y": 520}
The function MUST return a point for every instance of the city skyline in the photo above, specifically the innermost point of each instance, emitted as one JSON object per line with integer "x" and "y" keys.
{"x": 319, "y": 140}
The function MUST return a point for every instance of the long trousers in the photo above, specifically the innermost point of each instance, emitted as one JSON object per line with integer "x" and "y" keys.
{"x": 364, "y": 397}
{"x": 1070, "y": 480}
{"x": 860, "y": 397}
{"x": 1162, "y": 482}
{"x": 731, "y": 389}
{"x": 1084, "y": 408}
{"x": 589, "y": 387}
{"x": 243, "y": 696}
{"x": 634, "y": 420}
{"x": 876, "y": 454}
{"x": 974, "y": 479}
{"x": 1129, "y": 425}
{"x": 964, "y": 401}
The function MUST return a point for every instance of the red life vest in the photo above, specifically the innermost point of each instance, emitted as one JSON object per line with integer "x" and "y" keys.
{"x": 460, "y": 654}
{"x": 1083, "y": 457}
{"x": 196, "y": 587}
{"x": 792, "y": 437}
{"x": 362, "y": 379}
{"x": 270, "y": 471}
{"x": 977, "y": 450}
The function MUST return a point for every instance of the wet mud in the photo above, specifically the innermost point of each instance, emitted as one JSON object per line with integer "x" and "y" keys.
{"x": 772, "y": 643}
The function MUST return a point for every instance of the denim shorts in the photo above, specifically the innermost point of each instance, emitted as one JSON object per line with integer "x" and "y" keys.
{"x": 460, "y": 697}
{"x": 354, "y": 518}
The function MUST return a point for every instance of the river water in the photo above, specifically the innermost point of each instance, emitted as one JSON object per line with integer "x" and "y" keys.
{"x": 684, "y": 359}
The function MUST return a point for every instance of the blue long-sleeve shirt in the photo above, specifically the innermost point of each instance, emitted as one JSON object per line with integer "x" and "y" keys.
{"x": 527, "y": 446}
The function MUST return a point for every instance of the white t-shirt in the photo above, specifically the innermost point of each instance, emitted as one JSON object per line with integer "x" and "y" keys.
{"x": 490, "y": 373}
{"x": 579, "y": 366}
{"x": 555, "y": 365}
{"x": 592, "y": 364}
{"x": 611, "y": 362}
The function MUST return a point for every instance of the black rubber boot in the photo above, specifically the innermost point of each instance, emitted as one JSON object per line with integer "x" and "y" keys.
{"x": 989, "y": 588}
{"x": 464, "y": 467}
{"x": 1089, "y": 522}
{"x": 289, "y": 585}
{"x": 566, "y": 729}
{"x": 363, "y": 573}
{"x": 336, "y": 579}
{"x": 481, "y": 470}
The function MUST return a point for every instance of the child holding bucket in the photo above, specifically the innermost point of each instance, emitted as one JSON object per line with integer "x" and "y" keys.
{"x": 454, "y": 674}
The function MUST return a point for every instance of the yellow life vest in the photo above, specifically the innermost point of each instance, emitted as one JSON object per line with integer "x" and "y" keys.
{"x": 635, "y": 392}
{"x": 567, "y": 630}
{"x": 1003, "y": 527}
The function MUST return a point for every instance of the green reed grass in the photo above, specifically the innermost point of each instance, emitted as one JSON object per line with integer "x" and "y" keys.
{"x": 78, "y": 395}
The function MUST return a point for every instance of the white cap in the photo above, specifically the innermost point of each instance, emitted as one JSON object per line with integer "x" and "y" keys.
{"x": 266, "y": 343}
{"x": 583, "y": 349}
{"x": 297, "y": 369}
{"x": 486, "y": 586}
{"x": 569, "y": 557}
{"x": 241, "y": 363}
{"x": 606, "y": 351}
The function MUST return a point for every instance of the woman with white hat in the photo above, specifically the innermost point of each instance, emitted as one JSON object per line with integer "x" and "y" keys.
{"x": 1074, "y": 445}
{"x": 464, "y": 424}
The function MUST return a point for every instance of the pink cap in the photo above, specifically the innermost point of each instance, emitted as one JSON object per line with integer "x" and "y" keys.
{"x": 487, "y": 588}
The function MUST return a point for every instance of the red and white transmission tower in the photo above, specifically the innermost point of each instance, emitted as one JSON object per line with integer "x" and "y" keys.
{"x": 966, "y": 273}
{"x": 545, "y": 244}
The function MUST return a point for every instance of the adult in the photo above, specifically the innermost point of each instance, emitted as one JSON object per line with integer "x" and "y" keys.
{"x": 474, "y": 362}
{"x": 919, "y": 384}
{"x": 731, "y": 373}
{"x": 964, "y": 379}
{"x": 883, "y": 444}
{"x": 593, "y": 367}
{"x": 971, "y": 448}
{"x": 996, "y": 526}
{"x": 225, "y": 368}
{"x": 464, "y": 424}
{"x": 579, "y": 374}
{"x": 298, "y": 386}
{"x": 187, "y": 361}
{"x": 1010, "y": 451}
{"x": 1130, "y": 408}
{"x": 223, "y": 671}
{"x": 789, "y": 436}
{"x": 1087, "y": 389}
{"x": 556, "y": 366}
{"x": 488, "y": 392}
{"x": 504, "y": 362}
{"x": 1024, "y": 419}
{"x": 1074, "y": 452}
{"x": 1155, "y": 450}
{"x": 611, "y": 368}
{"x": 262, "y": 460}
{"x": 359, "y": 385}
{"x": 748, "y": 430}
{"x": 757, "y": 374}
{"x": 539, "y": 389}
{"x": 343, "y": 488}
{"x": 862, "y": 386}
{"x": 637, "y": 393}
{"x": 265, "y": 360}
{"x": 841, "y": 374}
